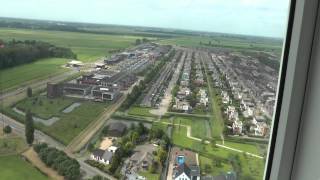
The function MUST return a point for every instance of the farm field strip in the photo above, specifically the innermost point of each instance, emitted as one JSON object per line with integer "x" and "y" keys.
{"x": 87, "y": 46}
{"x": 23, "y": 75}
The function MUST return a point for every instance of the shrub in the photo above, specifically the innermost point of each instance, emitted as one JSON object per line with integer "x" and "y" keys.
{"x": 7, "y": 129}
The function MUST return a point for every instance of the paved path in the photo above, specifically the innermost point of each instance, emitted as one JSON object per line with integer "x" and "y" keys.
{"x": 84, "y": 137}
{"x": 39, "y": 136}
{"x": 208, "y": 142}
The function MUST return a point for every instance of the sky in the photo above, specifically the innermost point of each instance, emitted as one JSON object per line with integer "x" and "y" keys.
{"x": 248, "y": 17}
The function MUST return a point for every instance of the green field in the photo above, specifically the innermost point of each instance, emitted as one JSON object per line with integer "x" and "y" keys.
{"x": 70, "y": 124}
{"x": 12, "y": 145}
{"x": 140, "y": 111}
{"x": 248, "y": 164}
{"x": 87, "y": 46}
{"x": 150, "y": 176}
{"x": 236, "y": 43}
{"x": 208, "y": 166}
{"x": 38, "y": 70}
{"x": 44, "y": 108}
{"x": 13, "y": 167}
{"x": 198, "y": 125}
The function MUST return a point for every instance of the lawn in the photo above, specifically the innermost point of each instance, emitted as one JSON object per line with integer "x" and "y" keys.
{"x": 14, "y": 167}
{"x": 149, "y": 176}
{"x": 12, "y": 145}
{"x": 70, "y": 124}
{"x": 43, "y": 107}
{"x": 140, "y": 111}
{"x": 248, "y": 164}
{"x": 208, "y": 166}
{"x": 35, "y": 71}
{"x": 198, "y": 125}
{"x": 87, "y": 46}
{"x": 217, "y": 123}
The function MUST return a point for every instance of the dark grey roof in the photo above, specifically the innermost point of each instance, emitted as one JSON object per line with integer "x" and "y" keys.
{"x": 207, "y": 178}
{"x": 183, "y": 168}
{"x": 98, "y": 152}
{"x": 220, "y": 177}
{"x": 231, "y": 176}
{"x": 117, "y": 126}
{"x": 194, "y": 171}
{"x": 107, "y": 155}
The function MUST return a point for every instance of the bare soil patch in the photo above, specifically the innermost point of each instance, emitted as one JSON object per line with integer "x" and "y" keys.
{"x": 32, "y": 156}
{"x": 105, "y": 143}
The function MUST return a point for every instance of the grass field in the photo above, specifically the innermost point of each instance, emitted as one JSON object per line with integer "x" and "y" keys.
{"x": 43, "y": 107}
{"x": 87, "y": 46}
{"x": 227, "y": 42}
{"x": 12, "y": 145}
{"x": 248, "y": 164}
{"x": 217, "y": 122}
{"x": 14, "y": 167}
{"x": 208, "y": 166}
{"x": 140, "y": 111}
{"x": 70, "y": 124}
{"x": 150, "y": 176}
{"x": 38, "y": 70}
{"x": 198, "y": 125}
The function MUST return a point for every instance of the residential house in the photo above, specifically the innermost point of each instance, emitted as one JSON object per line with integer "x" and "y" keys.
{"x": 184, "y": 172}
{"x": 116, "y": 129}
{"x": 102, "y": 156}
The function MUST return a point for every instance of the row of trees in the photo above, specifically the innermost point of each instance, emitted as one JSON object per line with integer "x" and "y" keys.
{"x": 141, "y": 41}
{"x": 58, "y": 160}
{"x": 15, "y": 53}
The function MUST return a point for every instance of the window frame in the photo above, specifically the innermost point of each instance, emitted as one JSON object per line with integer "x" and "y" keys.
{"x": 291, "y": 88}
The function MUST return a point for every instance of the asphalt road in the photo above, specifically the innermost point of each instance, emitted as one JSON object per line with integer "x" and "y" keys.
{"x": 39, "y": 136}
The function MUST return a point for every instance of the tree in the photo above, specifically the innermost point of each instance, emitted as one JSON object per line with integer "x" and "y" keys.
{"x": 105, "y": 130}
{"x": 7, "y": 129}
{"x": 141, "y": 129}
{"x": 162, "y": 155}
{"x": 134, "y": 137}
{"x": 29, "y": 129}
{"x": 138, "y": 41}
{"x": 29, "y": 92}
{"x": 97, "y": 177}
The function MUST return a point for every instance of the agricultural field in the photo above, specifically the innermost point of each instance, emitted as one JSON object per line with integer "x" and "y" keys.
{"x": 35, "y": 71}
{"x": 14, "y": 167}
{"x": 236, "y": 43}
{"x": 87, "y": 46}
{"x": 69, "y": 124}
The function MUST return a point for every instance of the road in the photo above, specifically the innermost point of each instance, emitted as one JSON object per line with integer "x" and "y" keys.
{"x": 84, "y": 137}
{"x": 39, "y": 136}
{"x": 166, "y": 100}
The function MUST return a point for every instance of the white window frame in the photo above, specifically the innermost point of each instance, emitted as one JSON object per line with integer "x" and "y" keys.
{"x": 291, "y": 90}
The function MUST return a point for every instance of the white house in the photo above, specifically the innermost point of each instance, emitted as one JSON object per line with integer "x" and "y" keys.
{"x": 237, "y": 127}
{"x": 184, "y": 172}
{"x": 102, "y": 156}
{"x": 112, "y": 149}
